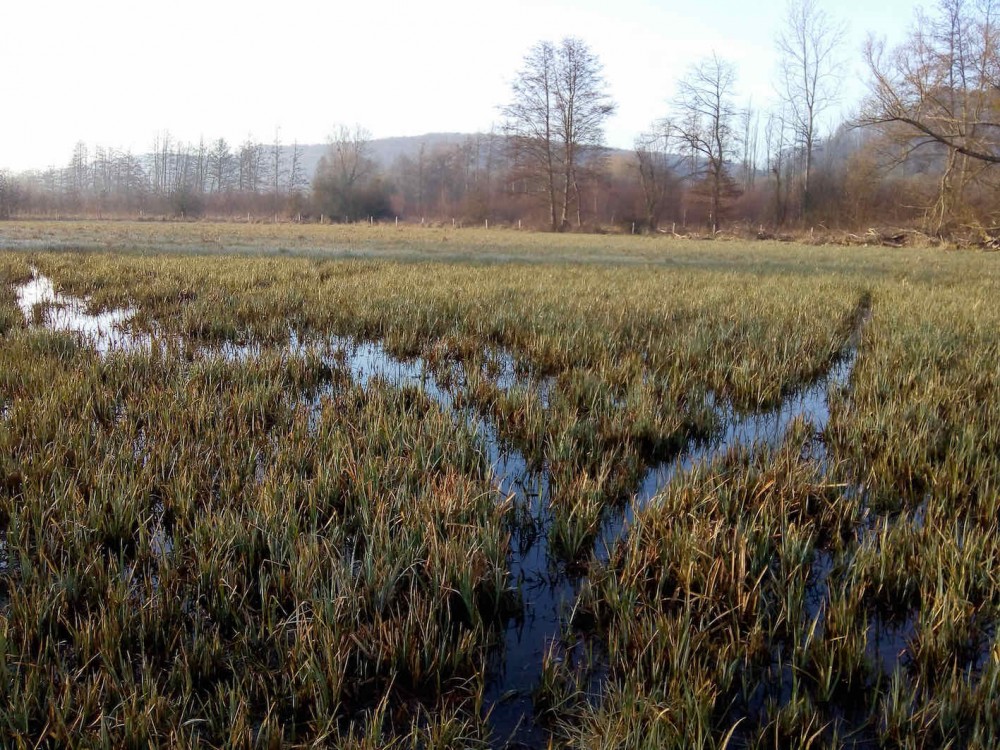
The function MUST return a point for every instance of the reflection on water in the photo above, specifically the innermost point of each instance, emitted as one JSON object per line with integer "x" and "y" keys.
{"x": 61, "y": 312}
{"x": 548, "y": 591}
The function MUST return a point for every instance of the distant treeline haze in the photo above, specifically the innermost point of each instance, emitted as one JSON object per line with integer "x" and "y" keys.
{"x": 919, "y": 151}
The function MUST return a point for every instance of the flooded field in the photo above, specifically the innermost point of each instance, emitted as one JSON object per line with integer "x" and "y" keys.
{"x": 367, "y": 503}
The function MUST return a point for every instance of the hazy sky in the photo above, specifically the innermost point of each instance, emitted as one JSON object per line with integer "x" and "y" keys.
{"x": 115, "y": 72}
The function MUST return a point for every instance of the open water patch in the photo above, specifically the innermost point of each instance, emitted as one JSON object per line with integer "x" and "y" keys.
{"x": 752, "y": 430}
{"x": 42, "y": 304}
{"x": 548, "y": 588}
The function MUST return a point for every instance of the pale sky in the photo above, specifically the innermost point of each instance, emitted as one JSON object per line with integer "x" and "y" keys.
{"x": 116, "y": 72}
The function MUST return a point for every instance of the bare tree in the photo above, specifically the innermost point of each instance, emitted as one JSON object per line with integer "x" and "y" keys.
{"x": 809, "y": 76}
{"x": 201, "y": 167}
{"x": 750, "y": 126}
{"x": 658, "y": 169}
{"x": 276, "y": 167}
{"x": 80, "y": 168}
{"x": 530, "y": 122}
{"x": 183, "y": 168}
{"x": 220, "y": 166}
{"x": 583, "y": 106}
{"x": 704, "y": 123}
{"x": 481, "y": 161}
{"x": 346, "y": 185}
{"x": 162, "y": 162}
{"x": 251, "y": 166}
{"x": 939, "y": 89}
{"x": 776, "y": 147}
{"x": 6, "y": 194}
{"x": 556, "y": 114}
{"x": 296, "y": 172}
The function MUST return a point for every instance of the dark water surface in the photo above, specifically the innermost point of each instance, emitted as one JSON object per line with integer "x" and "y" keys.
{"x": 548, "y": 590}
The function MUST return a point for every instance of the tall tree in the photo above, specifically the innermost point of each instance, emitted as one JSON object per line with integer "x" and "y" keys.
{"x": 296, "y": 172}
{"x": 704, "y": 123}
{"x": 776, "y": 158}
{"x": 201, "y": 167}
{"x": 658, "y": 169}
{"x": 750, "y": 127}
{"x": 221, "y": 166}
{"x": 6, "y": 194}
{"x": 80, "y": 168}
{"x": 162, "y": 173}
{"x": 346, "y": 185}
{"x": 939, "y": 89}
{"x": 557, "y": 112}
{"x": 276, "y": 169}
{"x": 809, "y": 77}
{"x": 251, "y": 165}
{"x": 530, "y": 123}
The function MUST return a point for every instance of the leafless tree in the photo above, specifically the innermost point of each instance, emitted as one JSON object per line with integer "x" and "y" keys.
{"x": 220, "y": 166}
{"x": 277, "y": 171}
{"x": 704, "y": 123}
{"x": 776, "y": 146}
{"x": 808, "y": 43}
{"x": 939, "y": 89}
{"x": 530, "y": 122}
{"x": 659, "y": 172}
{"x": 251, "y": 161}
{"x": 201, "y": 167}
{"x": 80, "y": 167}
{"x": 6, "y": 194}
{"x": 162, "y": 164}
{"x": 183, "y": 168}
{"x": 346, "y": 185}
{"x": 750, "y": 126}
{"x": 481, "y": 153}
{"x": 556, "y": 114}
{"x": 296, "y": 172}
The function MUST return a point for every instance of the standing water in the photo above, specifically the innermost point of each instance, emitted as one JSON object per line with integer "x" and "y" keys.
{"x": 39, "y": 301}
{"x": 548, "y": 590}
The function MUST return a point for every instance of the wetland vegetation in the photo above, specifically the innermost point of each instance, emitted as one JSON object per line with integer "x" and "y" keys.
{"x": 526, "y": 490}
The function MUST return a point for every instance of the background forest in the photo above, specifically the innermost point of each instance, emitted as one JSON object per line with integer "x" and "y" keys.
{"x": 918, "y": 151}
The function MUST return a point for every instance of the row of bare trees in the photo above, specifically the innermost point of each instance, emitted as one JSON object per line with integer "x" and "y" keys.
{"x": 931, "y": 119}
{"x": 173, "y": 177}
{"x": 709, "y": 147}
{"x": 216, "y": 167}
{"x": 921, "y": 148}
{"x": 454, "y": 180}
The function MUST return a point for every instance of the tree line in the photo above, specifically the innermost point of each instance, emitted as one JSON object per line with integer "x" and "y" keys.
{"x": 919, "y": 150}
{"x": 173, "y": 178}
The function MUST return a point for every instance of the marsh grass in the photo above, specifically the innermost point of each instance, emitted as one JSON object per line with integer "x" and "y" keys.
{"x": 899, "y": 505}
{"x": 231, "y": 539}
{"x": 302, "y": 594}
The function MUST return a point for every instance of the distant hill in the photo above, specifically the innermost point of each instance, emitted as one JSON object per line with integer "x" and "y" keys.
{"x": 385, "y": 151}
